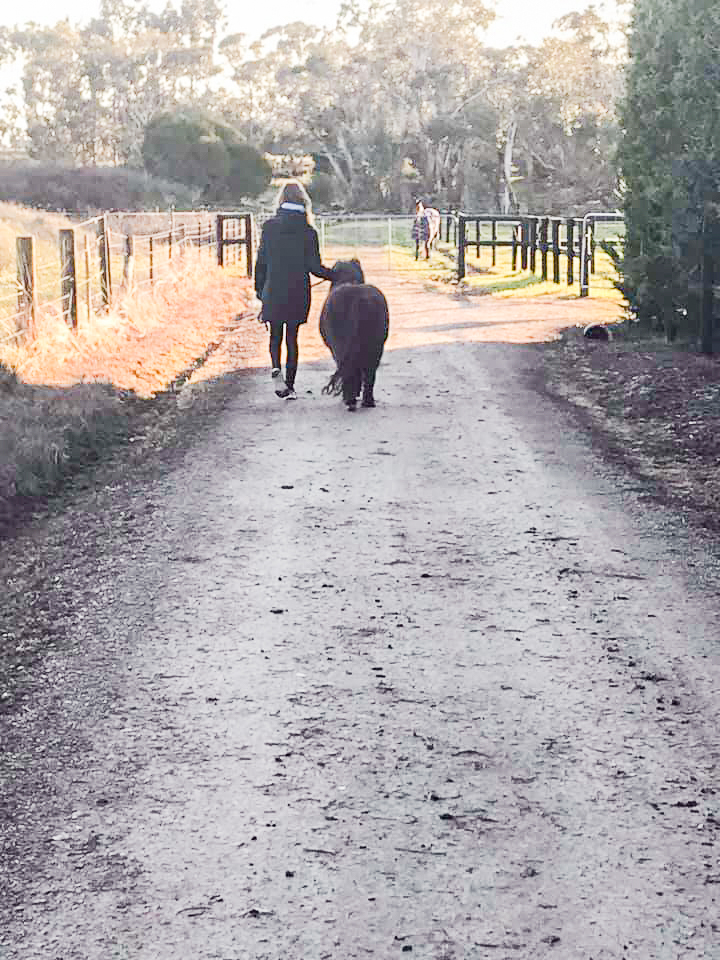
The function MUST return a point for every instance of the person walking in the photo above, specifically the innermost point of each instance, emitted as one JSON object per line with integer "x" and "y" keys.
{"x": 288, "y": 253}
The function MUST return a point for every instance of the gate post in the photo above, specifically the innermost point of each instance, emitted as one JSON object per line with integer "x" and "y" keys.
{"x": 570, "y": 249}
{"x": 219, "y": 231}
{"x": 461, "y": 247}
{"x": 249, "y": 252}
{"x": 556, "y": 249}
{"x": 533, "y": 244}
{"x": 544, "y": 247}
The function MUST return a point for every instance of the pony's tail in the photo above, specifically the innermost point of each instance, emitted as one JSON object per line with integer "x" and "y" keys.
{"x": 351, "y": 358}
{"x": 333, "y": 388}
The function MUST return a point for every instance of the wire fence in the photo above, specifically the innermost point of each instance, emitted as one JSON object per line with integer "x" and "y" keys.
{"x": 105, "y": 258}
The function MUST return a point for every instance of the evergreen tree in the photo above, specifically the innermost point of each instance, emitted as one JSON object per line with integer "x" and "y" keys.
{"x": 669, "y": 153}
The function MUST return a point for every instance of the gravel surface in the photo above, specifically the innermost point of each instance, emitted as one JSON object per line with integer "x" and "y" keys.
{"x": 286, "y": 682}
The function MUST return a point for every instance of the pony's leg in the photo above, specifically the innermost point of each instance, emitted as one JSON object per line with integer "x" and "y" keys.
{"x": 417, "y": 249}
{"x": 368, "y": 395}
{"x": 351, "y": 389}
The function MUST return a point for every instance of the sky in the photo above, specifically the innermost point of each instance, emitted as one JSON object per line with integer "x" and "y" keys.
{"x": 531, "y": 21}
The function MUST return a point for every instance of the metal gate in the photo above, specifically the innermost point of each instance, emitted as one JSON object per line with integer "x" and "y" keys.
{"x": 386, "y": 240}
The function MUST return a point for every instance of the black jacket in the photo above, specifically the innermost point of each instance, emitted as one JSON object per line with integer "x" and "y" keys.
{"x": 288, "y": 253}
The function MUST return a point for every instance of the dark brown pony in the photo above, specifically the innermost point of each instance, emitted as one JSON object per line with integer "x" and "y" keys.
{"x": 354, "y": 324}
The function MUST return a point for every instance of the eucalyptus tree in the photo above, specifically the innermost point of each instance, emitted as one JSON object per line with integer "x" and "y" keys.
{"x": 90, "y": 91}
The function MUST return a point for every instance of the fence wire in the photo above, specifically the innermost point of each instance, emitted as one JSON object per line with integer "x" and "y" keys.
{"x": 115, "y": 254}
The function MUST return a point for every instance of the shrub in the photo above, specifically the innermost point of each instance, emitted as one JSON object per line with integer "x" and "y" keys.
{"x": 91, "y": 190}
{"x": 201, "y": 151}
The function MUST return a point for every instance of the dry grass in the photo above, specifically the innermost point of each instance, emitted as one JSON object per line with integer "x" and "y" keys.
{"x": 44, "y": 431}
{"x": 64, "y": 395}
{"x": 18, "y": 221}
{"x": 140, "y": 345}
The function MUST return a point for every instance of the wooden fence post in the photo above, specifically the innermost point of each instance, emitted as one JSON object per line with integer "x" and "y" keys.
{"x": 181, "y": 239}
{"x": 515, "y": 232}
{"x": 129, "y": 264}
{"x": 570, "y": 249}
{"x": 219, "y": 236}
{"x": 493, "y": 236}
{"x": 170, "y": 245}
{"x": 151, "y": 246}
{"x": 461, "y": 247}
{"x": 249, "y": 251}
{"x": 556, "y": 249}
{"x": 105, "y": 267}
{"x": 88, "y": 283}
{"x": 524, "y": 240}
{"x": 544, "y": 247}
{"x": 477, "y": 239}
{"x": 27, "y": 284}
{"x": 68, "y": 277}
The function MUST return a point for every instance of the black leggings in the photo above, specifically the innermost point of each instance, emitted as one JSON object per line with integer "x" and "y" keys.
{"x": 291, "y": 346}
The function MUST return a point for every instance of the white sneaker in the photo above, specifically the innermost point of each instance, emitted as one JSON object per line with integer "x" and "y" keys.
{"x": 290, "y": 395}
{"x": 276, "y": 371}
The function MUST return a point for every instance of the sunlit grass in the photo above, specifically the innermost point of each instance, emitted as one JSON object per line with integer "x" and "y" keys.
{"x": 500, "y": 280}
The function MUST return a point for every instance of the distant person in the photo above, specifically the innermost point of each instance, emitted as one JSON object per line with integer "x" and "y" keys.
{"x": 289, "y": 252}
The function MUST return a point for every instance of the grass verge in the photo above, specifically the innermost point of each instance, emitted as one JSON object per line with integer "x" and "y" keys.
{"x": 67, "y": 397}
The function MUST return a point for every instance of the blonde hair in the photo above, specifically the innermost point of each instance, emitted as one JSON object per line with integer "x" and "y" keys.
{"x": 292, "y": 191}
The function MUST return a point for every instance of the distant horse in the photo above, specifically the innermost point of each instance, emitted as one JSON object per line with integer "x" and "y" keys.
{"x": 354, "y": 323}
{"x": 425, "y": 229}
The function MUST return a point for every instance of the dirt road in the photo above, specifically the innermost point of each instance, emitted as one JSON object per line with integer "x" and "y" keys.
{"x": 428, "y": 679}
